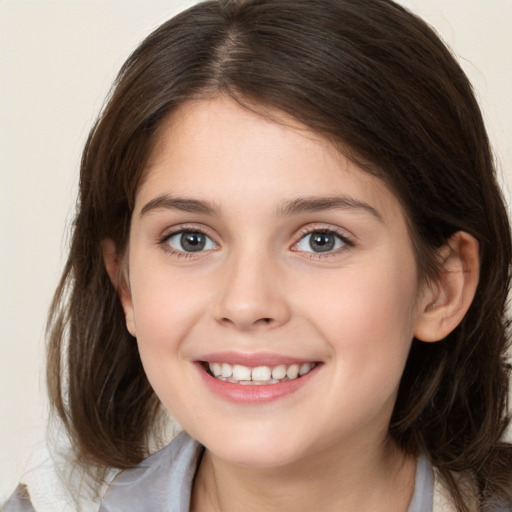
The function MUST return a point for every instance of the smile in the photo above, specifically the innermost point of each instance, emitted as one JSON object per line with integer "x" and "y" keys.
{"x": 260, "y": 375}
{"x": 254, "y": 379}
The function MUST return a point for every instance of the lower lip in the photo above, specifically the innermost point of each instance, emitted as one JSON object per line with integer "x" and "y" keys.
{"x": 254, "y": 394}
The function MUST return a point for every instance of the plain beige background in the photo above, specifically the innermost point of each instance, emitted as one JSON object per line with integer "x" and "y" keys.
{"x": 57, "y": 61}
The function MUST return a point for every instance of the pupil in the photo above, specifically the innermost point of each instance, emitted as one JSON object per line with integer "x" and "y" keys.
{"x": 193, "y": 242}
{"x": 322, "y": 242}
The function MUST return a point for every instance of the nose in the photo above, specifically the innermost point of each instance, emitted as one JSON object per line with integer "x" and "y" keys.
{"x": 250, "y": 296}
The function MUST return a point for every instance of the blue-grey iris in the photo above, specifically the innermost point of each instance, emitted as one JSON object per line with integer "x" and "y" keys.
{"x": 193, "y": 241}
{"x": 322, "y": 242}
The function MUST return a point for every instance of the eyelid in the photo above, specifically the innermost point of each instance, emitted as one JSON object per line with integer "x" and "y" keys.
{"x": 343, "y": 235}
{"x": 348, "y": 240}
{"x": 184, "y": 228}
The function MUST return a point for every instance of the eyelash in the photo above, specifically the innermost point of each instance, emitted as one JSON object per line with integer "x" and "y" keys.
{"x": 347, "y": 242}
{"x": 164, "y": 241}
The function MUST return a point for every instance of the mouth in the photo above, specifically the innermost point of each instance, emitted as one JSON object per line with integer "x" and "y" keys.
{"x": 259, "y": 375}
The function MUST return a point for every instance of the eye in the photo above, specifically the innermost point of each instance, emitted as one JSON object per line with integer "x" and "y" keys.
{"x": 320, "y": 241}
{"x": 190, "y": 241}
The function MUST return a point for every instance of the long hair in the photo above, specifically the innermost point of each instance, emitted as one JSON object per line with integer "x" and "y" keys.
{"x": 375, "y": 79}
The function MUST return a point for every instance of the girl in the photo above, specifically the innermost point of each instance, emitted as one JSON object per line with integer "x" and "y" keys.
{"x": 290, "y": 236}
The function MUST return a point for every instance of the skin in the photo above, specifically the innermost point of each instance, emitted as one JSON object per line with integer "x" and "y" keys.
{"x": 259, "y": 287}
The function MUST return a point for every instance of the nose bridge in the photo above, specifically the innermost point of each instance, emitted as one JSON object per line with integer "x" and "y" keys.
{"x": 250, "y": 296}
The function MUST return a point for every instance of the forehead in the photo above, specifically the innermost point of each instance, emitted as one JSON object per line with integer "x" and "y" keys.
{"x": 217, "y": 150}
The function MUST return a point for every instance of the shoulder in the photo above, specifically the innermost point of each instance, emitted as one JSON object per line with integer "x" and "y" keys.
{"x": 164, "y": 477}
{"x": 470, "y": 494}
{"x": 163, "y": 481}
{"x": 19, "y": 501}
{"x": 443, "y": 501}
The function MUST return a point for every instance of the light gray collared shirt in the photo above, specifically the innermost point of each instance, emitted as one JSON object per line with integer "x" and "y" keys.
{"x": 163, "y": 483}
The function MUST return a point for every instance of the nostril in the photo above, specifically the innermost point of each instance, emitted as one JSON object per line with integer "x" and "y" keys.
{"x": 264, "y": 321}
{"x": 246, "y": 320}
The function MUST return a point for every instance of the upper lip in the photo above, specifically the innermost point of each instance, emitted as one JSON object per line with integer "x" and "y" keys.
{"x": 252, "y": 360}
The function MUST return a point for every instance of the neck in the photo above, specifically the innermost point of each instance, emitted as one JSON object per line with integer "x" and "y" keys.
{"x": 381, "y": 480}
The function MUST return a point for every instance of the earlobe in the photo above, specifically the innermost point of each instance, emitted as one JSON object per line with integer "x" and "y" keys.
{"x": 115, "y": 267}
{"x": 450, "y": 296}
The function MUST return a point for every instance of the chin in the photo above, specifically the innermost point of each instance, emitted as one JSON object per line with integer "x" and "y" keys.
{"x": 255, "y": 451}
{"x": 256, "y": 459}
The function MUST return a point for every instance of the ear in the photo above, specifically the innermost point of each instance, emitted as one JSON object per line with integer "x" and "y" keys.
{"x": 118, "y": 273}
{"x": 448, "y": 298}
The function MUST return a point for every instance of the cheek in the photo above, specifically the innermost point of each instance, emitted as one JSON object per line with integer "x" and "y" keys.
{"x": 364, "y": 297}
{"x": 163, "y": 314}
{"x": 164, "y": 305}
{"x": 368, "y": 318}
{"x": 165, "y": 311}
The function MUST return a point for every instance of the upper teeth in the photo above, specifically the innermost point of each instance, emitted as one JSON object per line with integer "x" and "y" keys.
{"x": 259, "y": 374}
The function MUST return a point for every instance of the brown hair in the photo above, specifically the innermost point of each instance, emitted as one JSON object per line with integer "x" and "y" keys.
{"x": 375, "y": 78}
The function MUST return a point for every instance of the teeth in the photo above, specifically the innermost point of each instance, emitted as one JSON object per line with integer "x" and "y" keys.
{"x": 216, "y": 369}
{"x": 293, "y": 371}
{"x": 279, "y": 372}
{"x": 260, "y": 375}
{"x": 227, "y": 370}
{"x": 241, "y": 372}
{"x": 305, "y": 368}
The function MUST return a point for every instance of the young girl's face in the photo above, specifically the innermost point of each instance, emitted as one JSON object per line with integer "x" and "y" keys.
{"x": 259, "y": 250}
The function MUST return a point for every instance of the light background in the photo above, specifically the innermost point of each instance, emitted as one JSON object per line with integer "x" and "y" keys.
{"x": 57, "y": 61}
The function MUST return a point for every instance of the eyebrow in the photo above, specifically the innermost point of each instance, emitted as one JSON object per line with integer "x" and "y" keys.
{"x": 293, "y": 207}
{"x": 319, "y": 204}
{"x": 167, "y": 202}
